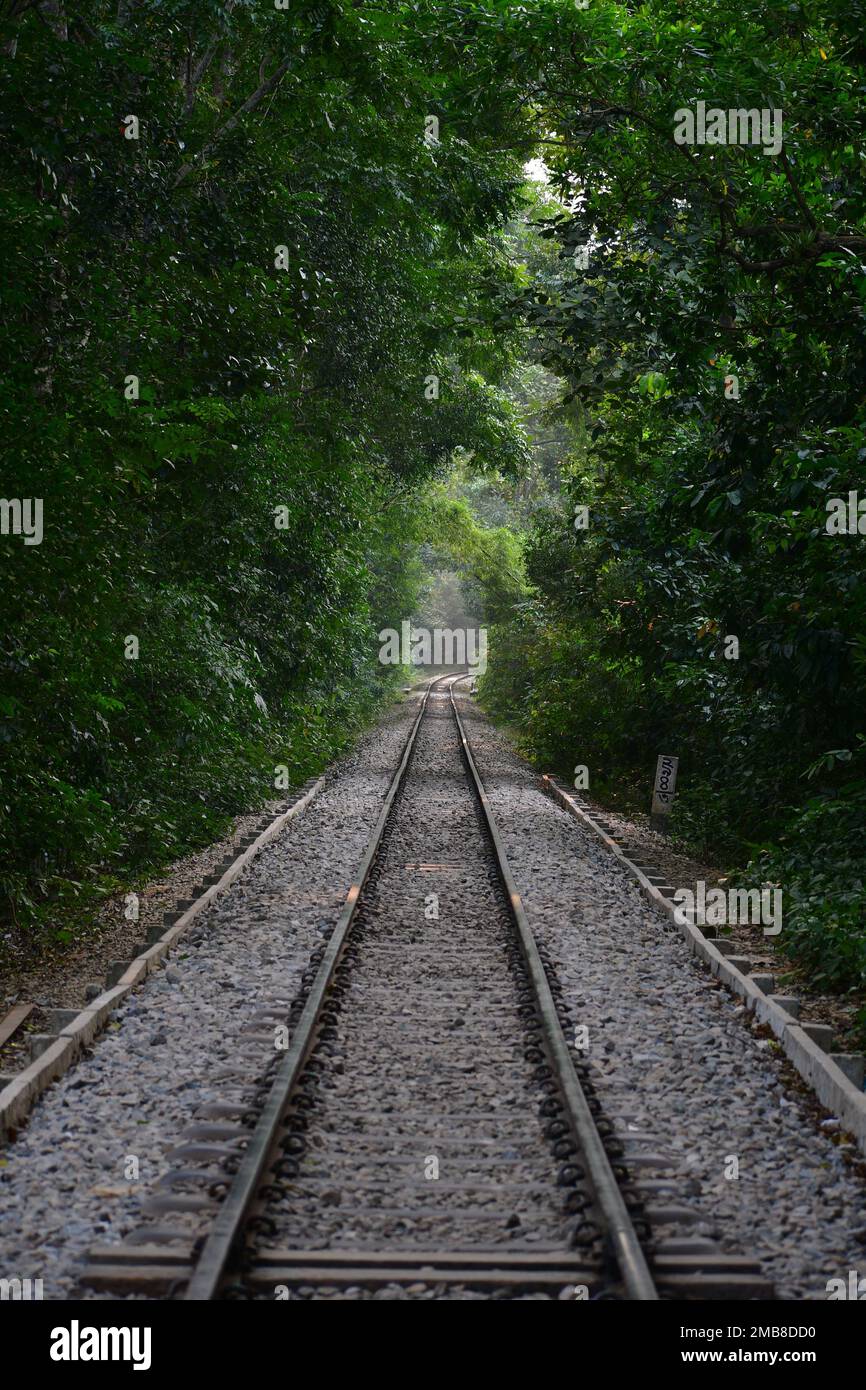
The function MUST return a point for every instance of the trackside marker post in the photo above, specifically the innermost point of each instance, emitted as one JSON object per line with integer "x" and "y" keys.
{"x": 663, "y": 791}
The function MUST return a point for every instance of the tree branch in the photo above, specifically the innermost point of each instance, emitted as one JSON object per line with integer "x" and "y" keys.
{"x": 263, "y": 90}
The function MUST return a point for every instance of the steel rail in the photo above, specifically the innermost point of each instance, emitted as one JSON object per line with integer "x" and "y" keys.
{"x": 626, "y": 1247}
{"x": 224, "y": 1235}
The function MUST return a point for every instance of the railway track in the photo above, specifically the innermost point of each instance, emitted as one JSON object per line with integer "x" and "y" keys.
{"x": 425, "y": 1120}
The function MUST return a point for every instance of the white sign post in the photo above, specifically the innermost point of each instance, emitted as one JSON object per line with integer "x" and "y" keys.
{"x": 663, "y": 791}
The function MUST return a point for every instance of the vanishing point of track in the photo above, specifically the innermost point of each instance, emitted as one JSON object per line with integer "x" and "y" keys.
{"x": 429, "y": 1121}
{"x": 563, "y": 1086}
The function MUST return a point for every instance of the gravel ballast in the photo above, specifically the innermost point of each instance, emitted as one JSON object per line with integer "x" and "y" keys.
{"x": 422, "y": 1125}
{"x": 669, "y": 1050}
{"x": 668, "y": 1047}
{"x": 97, "y": 1140}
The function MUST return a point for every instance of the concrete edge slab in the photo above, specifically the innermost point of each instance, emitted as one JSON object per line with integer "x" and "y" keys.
{"x": 19, "y": 1096}
{"x": 830, "y": 1084}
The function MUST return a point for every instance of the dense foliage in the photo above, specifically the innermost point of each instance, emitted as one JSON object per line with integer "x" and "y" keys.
{"x": 218, "y": 341}
{"x": 712, "y": 359}
{"x": 312, "y": 268}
